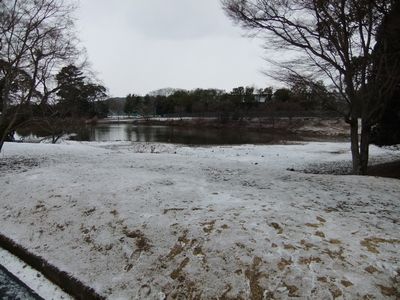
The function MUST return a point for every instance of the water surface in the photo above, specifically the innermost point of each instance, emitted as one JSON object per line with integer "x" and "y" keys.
{"x": 176, "y": 135}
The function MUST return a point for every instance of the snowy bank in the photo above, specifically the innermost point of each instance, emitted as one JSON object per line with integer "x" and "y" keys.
{"x": 164, "y": 221}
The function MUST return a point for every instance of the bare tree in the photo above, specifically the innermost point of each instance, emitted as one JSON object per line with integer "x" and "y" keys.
{"x": 36, "y": 37}
{"x": 336, "y": 39}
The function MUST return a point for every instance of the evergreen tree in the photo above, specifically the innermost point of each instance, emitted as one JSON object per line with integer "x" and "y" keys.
{"x": 72, "y": 91}
{"x": 76, "y": 95}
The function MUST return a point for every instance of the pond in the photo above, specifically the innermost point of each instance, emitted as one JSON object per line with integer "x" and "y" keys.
{"x": 171, "y": 134}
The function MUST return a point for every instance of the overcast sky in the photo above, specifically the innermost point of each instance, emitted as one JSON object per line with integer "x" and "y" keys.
{"x": 137, "y": 46}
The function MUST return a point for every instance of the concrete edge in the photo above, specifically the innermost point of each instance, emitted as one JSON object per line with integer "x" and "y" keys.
{"x": 65, "y": 281}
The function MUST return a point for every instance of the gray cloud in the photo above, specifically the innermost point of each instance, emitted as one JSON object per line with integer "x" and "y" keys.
{"x": 142, "y": 45}
{"x": 179, "y": 19}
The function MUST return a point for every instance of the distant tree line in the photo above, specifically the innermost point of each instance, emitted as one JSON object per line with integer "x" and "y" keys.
{"x": 299, "y": 96}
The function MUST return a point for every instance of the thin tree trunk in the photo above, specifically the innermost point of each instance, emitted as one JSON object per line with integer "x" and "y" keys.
{"x": 3, "y": 117}
{"x": 4, "y": 113}
{"x": 1, "y": 132}
{"x": 355, "y": 150}
{"x": 56, "y": 138}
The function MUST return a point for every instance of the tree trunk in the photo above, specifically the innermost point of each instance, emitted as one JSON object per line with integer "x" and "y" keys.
{"x": 5, "y": 96}
{"x": 3, "y": 130}
{"x": 8, "y": 126}
{"x": 360, "y": 147}
{"x": 364, "y": 148}
{"x": 355, "y": 150}
{"x": 4, "y": 113}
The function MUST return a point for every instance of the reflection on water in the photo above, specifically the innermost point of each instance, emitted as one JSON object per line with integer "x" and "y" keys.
{"x": 169, "y": 134}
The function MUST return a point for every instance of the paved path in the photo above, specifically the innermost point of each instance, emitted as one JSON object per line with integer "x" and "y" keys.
{"x": 11, "y": 288}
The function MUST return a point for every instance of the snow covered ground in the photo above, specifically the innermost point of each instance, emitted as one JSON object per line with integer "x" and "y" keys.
{"x": 163, "y": 221}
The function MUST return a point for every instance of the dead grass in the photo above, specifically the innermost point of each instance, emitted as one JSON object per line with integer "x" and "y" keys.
{"x": 166, "y": 210}
{"x": 389, "y": 291}
{"x": 306, "y": 245}
{"x": 178, "y": 248}
{"x": 208, "y": 226}
{"x": 338, "y": 254}
{"x": 284, "y": 263}
{"x": 141, "y": 241}
{"x": 346, "y": 283}
{"x": 335, "y": 241}
{"x": 289, "y": 247}
{"x": 335, "y": 291}
{"x": 313, "y": 225}
{"x": 292, "y": 290}
{"x": 371, "y": 269}
{"x": 309, "y": 260}
{"x": 277, "y": 227}
{"x": 372, "y": 244}
{"x": 198, "y": 251}
{"x": 254, "y": 275}
{"x": 177, "y": 272}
